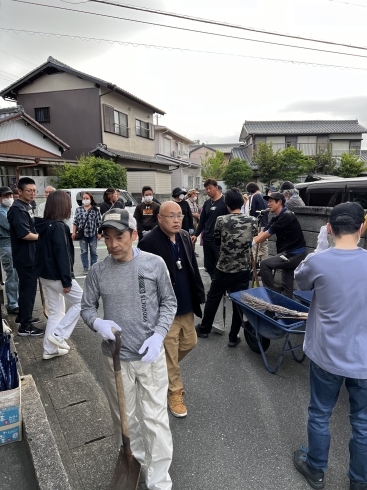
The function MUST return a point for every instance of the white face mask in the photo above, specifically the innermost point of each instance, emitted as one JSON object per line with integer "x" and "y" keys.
{"x": 8, "y": 201}
{"x": 181, "y": 196}
{"x": 148, "y": 199}
{"x": 86, "y": 202}
{"x": 194, "y": 198}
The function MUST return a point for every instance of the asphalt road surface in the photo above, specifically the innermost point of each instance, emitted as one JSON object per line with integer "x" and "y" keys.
{"x": 243, "y": 423}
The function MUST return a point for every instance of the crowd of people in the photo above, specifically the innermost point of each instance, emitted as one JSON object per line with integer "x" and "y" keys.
{"x": 163, "y": 292}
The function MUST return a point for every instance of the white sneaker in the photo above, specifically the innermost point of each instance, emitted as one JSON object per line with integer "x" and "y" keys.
{"x": 60, "y": 352}
{"x": 59, "y": 341}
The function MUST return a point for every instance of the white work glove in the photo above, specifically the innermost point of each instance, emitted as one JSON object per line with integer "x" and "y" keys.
{"x": 322, "y": 241}
{"x": 154, "y": 346}
{"x": 253, "y": 244}
{"x": 104, "y": 328}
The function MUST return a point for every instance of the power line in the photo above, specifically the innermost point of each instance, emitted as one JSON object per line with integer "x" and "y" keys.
{"x": 348, "y": 3}
{"x": 223, "y": 24}
{"x": 171, "y": 48}
{"x": 196, "y": 31}
{"x": 6, "y": 73}
{"x": 15, "y": 56}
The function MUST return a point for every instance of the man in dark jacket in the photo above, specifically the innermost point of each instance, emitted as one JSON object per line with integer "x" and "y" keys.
{"x": 146, "y": 212}
{"x": 173, "y": 244}
{"x": 178, "y": 195}
{"x": 24, "y": 237}
{"x": 291, "y": 245}
{"x": 212, "y": 208}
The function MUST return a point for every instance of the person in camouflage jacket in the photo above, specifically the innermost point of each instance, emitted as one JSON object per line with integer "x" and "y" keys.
{"x": 234, "y": 233}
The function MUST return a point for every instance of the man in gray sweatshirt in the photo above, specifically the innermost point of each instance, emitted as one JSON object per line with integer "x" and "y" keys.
{"x": 139, "y": 301}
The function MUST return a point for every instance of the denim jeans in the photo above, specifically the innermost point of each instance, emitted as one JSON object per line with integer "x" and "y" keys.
{"x": 90, "y": 242}
{"x": 11, "y": 281}
{"x": 325, "y": 388}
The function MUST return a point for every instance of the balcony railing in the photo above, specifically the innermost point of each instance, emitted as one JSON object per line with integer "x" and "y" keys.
{"x": 311, "y": 149}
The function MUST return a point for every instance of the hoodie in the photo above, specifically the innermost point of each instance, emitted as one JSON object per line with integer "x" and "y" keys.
{"x": 55, "y": 251}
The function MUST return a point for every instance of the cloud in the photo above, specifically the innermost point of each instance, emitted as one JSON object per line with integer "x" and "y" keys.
{"x": 340, "y": 108}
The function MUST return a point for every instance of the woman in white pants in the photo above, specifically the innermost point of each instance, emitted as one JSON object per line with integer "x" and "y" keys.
{"x": 55, "y": 260}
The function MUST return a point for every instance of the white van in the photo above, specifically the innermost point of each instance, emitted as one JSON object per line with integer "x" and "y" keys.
{"x": 77, "y": 195}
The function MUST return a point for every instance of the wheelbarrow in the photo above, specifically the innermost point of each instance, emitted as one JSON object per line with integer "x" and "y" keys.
{"x": 262, "y": 326}
{"x": 304, "y": 297}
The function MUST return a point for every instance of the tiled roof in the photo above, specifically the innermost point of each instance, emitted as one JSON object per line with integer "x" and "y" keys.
{"x": 17, "y": 112}
{"x": 302, "y": 127}
{"x": 53, "y": 66}
{"x": 223, "y": 147}
{"x": 242, "y": 154}
{"x": 364, "y": 155}
{"x": 159, "y": 128}
{"x": 129, "y": 156}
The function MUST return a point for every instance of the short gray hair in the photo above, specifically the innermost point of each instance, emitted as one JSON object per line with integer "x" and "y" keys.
{"x": 291, "y": 192}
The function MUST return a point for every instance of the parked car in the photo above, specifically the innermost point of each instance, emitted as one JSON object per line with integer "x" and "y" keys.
{"x": 332, "y": 192}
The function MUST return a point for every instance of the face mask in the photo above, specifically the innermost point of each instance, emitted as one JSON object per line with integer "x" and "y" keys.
{"x": 148, "y": 199}
{"x": 181, "y": 196}
{"x": 86, "y": 202}
{"x": 8, "y": 201}
{"x": 194, "y": 198}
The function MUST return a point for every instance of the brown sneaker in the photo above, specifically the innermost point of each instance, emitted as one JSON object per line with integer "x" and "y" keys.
{"x": 176, "y": 404}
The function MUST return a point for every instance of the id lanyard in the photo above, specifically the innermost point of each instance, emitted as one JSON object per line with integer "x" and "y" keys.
{"x": 176, "y": 249}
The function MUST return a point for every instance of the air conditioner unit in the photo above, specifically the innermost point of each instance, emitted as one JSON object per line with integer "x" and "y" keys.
{"x": 173, "y": 153}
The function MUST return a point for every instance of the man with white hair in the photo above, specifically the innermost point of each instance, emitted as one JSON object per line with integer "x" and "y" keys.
{"x": 41, "y": 207}
{"x": 291, "y": 195}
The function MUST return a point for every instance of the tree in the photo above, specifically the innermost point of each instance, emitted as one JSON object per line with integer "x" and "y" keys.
{"x": 213, "y": 167}
{"x": 351, "y": 165}
{"x": 293, "y": 164}
{"x": 325, "y": 163}
{"x": 92, "y": 172}
{"x": 237, "y": 173}
{"x": 268, "y": 164}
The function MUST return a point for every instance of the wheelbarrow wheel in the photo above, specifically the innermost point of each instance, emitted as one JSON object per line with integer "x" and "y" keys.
{"x": 251, "y": 340}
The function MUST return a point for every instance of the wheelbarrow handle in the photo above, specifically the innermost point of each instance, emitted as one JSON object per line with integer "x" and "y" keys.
{"x": 115, "y": 350}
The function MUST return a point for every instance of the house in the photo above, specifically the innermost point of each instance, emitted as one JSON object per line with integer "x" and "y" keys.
{"x": 174, "y": 147}
{"x": 92, "y": 115}
{"x": 27, "y": 147}
{"x": 311, "y": 137}
{"x": 200, "y": 152}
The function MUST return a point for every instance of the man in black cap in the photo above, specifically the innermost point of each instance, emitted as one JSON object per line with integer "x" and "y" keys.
{"x": 178, "y": 195}
{"x": 291, "y": 245}
{"x": 291, "y": 195}
{"x": 336, "y": 344}
{"x": 6, "y": 256}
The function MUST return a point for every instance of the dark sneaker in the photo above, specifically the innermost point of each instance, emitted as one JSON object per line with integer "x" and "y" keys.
{"x": 357, "y": 485}
{"x": 200, "y": 333}
{"x": 85, "y": 271}
{"x": 13, "y": 311}
{"x": 234, "y": 344}
{"x": 33, "y": 320}
{"x": 315, "y": 478}
{"x": 30, "y": 331}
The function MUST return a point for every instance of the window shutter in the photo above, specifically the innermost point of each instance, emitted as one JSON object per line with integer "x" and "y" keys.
{"x": 108, "y": 118}
{"x": 151, "y": 131}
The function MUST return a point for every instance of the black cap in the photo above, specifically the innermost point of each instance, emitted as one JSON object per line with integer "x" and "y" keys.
{"x": 177, "y": 191}
{"x": 277, "y": 196}
{"x": 346, "y": 212}
{"x": 5, "y": 190}
{"x": 286, "y": 185}
{"x": 119, "y": 219}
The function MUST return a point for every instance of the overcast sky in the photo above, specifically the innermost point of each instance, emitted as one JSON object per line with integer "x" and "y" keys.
{"x": 206, "y": 96}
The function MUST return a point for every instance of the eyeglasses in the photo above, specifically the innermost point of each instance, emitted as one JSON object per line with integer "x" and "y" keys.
{"x": 30, "y": 191}
{"x": 173, "y": 216}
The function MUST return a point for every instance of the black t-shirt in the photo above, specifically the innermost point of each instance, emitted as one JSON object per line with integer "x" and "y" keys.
{"x": 21, "y": 221}
{"x": 288, "y": 231}
{"x": 209, "y": 214}
{"x": 182, "y": 285}
{"x": 106, "y": 205}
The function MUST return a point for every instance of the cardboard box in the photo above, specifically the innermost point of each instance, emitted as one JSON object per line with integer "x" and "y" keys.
{"x": 10, "y": 416}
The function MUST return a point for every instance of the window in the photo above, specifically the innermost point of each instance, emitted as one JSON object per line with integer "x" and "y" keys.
{"x": 198, "y": 182}
{"x": 144, "y": 129}
{"x": 42, "y": 114}
{"x": 190, "y": 181}
{"x": 178, "y": 149}
{"x": 115, "y": 122}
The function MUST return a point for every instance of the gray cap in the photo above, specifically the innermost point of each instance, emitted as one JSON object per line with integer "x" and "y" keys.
{"x": 5, "y": 190}
{"x": 118, "y": 219}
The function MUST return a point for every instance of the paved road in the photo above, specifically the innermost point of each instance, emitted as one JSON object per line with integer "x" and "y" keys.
{"x": 242, "y": 427}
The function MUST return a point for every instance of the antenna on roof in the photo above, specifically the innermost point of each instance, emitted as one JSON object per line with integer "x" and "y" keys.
{"x": 157, "y": 116}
